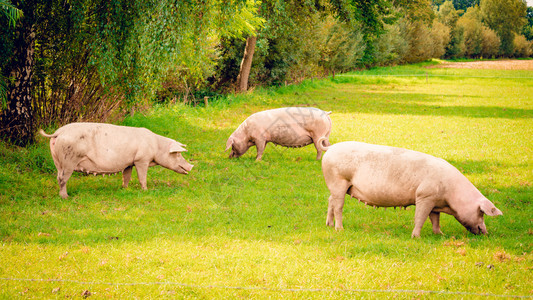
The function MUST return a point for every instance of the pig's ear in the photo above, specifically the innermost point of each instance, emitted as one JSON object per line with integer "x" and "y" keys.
{"x": 177, "y": 147}
{"x": 229, "y": 143}
{"x": 488, "y": 208}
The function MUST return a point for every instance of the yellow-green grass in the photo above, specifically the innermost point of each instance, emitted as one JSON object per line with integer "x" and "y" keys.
{"x": 240, "y": 228}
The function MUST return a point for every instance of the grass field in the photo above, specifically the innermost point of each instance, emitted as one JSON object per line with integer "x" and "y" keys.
{"x": 245, "y": 229}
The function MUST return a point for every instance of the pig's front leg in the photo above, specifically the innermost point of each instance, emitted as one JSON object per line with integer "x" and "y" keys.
{"x": 260, "y": 145}
{"x": 126, "y": 176}
{"x": 424, "y": 206}
{"x": 142, "y": 171}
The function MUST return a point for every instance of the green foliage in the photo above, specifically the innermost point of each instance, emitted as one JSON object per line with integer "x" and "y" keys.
{"x": 391, "y": 46}
{"x": 449, "y": 16}
{"x": 464, "y": 4}
{"x": 10, "y": 16}
{"x": 506, "y": 17}
{"x": 10, "y": 12}
{"x": 440, "y": 34}
{"x": 471, "y": 26}
{"x": 342, "y": 48}
{"x": 490, "y": 46}
{"x": 522, "y": 47}
{"x": 136, "y": 51}
{"x": 527, "y": 30}
{"x": 246, "y": 229}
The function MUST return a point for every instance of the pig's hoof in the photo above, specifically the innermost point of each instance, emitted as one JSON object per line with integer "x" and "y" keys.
{"x": 339, "y": 228}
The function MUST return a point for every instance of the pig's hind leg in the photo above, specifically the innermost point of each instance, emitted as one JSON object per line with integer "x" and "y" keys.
{"x": 338, "y": 191}
{"x": 435, "y": 221}
{"x": 126, "y": 176}
{"x": 63, "y": 176}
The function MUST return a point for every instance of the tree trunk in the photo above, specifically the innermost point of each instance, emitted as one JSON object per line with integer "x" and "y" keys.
{"x": 246, "y": 64}
{"x": 17, "y": 119}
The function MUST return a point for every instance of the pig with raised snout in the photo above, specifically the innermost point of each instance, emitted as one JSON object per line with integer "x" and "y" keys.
{"x": 289, "y": 126}
{"x": 388, "y": 177}
{"x": 98, "y": 148}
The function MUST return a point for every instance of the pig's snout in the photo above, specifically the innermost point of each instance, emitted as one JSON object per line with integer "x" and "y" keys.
{"x": 187, "y": 168}
{"x": 234, "y": 154}
{"x": 478, "y": 229}
{"x": 184, "y": 168}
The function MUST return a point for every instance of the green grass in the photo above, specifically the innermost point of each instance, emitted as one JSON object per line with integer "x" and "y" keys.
{"x": 246, "y": 229}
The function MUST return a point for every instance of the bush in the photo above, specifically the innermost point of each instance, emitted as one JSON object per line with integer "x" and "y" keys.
{"x": 392, "y": 45}
{"x": 490, "y": 46}
{"x": 522, "y": 47}
{"x": 440, "y": 35}
{"x": 420, "y": 43}
{"x": 472, "y": 37}
{"x": 341, "y": 46}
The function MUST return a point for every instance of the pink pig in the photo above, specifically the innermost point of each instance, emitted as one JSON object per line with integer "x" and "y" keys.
{"x": 98, "y": 148}
{"x": 389, "y": 177}
{"x": 289, "y": 127}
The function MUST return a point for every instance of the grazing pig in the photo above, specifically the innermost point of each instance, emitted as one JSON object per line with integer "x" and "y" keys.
{"x": 107, "y": 149}
{"x": 289, "y": 127}
{"x": 387, "y": 176}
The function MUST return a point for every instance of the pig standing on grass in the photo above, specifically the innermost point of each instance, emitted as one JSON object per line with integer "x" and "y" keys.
{"x": 387, "y": 176}
{"x": 289, "y": 127}
{"x": 107, "y": 149}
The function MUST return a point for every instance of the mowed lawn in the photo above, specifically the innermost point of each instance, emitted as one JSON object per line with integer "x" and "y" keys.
{"x": 245, "y": 229}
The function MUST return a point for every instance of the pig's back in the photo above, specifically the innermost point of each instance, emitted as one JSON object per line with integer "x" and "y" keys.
{"x": 382, "y": 175}
{"x": 291, "y": 126}
{"x": 104, "y": 147}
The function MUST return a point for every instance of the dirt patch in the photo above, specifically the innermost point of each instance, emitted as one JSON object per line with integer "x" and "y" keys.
{"x": 508, "y": 64}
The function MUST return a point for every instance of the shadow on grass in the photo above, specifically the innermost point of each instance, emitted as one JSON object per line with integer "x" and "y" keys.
{"x": 420, "y": 105}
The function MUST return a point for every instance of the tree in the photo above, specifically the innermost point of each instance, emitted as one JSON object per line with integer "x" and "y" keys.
{"x": 490, "y": 46}
{"x": 471, "y": 26}
{"x": 342, "y": 47}
{"x": 420, "y": 43}
{"x": 440, "y": 35}
{"x": 12, "y": 14}
{"x": 506, "y": 17}
{"x": 80, "y": 50}
{"x": 449, "y": 16}
{"x": 17, "y": 118}
{"x": 522, "y": 47}
{"x": 366, "y": 16}
{"x": 464, "y": 4}
{"x": 282, "y": 19}
{"x": 527, "y": 30}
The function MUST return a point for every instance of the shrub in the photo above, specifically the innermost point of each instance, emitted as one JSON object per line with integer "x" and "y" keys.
{"x": 472, "y": 37}
{"x": 392, "y": 45}
{"x": 522, "y": 47}
{"x": 490, "y": 46}
{"x": 420, "y": 43}
{"x": 341, "y": 46}
{"x": 440, "y": 35}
